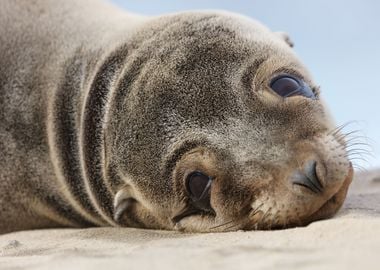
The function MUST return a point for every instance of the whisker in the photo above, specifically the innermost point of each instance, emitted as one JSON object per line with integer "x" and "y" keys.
{"x": 233, "y": 226}
{"x": 263, "y": 217}
{"x": 253, "y": 212}
{"x": 357, "y": 166}
{"x": 357, "y": 142}
{"x": 273, "y": 220}
{"x": 221, "y": 225}
{"x": 345, "y": 135}
{"x": 340, "y": 128}
{"x": 352, "y": 158}
{"x": 337, "y": 129}
{"x": 359, "y": 151}
{"x": 362, "y": 150}
{"x": 360, "y": 146}
{"x": 360, "y": 168}
{"x": 362, "y": 139}
{"x": 356, "y": 154}
{"x": 277, "y": 217}
{"x": 357, "y": 138}
{"x": 357, "y": 158}
{"x": 256, "y": 210}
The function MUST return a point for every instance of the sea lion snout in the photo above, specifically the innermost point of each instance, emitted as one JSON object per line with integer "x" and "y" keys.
{"x": 252, "y": 193}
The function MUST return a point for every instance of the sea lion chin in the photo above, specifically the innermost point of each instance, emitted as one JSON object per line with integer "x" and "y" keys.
{"x": 195, "y": 121}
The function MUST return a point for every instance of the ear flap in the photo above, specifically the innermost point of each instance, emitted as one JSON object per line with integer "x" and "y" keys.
{"x": 285, "y": 37}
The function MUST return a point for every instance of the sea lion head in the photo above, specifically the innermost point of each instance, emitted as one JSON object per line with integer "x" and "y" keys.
{"x": 215, "y": 125}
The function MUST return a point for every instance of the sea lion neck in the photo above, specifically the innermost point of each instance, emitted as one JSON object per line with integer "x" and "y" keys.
{"x": 77, "y": 134}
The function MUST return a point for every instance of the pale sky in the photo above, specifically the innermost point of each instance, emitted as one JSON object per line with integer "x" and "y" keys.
{"x": 339, "y": 41}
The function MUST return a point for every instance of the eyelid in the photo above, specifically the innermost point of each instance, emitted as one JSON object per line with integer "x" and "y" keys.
{"x": 291, "y": 72}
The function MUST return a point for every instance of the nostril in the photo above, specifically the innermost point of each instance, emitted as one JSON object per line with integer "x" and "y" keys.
{"x": 311, "y": 172}
{"x": 309, "y": 177}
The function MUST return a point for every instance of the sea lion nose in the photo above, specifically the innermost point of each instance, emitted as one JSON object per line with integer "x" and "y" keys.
{"x": 308, "y": 177}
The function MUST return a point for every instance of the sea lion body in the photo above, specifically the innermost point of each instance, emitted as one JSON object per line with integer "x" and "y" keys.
{"x": 41, "y": 47}
{"x": 102, "y": 112}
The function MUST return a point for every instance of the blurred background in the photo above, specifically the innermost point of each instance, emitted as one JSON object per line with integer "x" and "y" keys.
{"x": 339, "y": 41}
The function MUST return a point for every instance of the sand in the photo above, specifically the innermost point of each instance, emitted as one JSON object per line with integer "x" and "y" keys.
{"x": 351, "y": 240}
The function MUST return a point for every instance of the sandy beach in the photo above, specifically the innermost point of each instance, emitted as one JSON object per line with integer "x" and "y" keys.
{"x": 351, "y": 240}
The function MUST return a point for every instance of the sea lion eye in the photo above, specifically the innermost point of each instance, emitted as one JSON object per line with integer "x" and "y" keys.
{"x": 288, "y": 86}
{"x": 198, "y": 184}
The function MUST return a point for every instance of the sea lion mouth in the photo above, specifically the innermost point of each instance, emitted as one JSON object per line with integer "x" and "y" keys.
{"x": 327, "y": 210}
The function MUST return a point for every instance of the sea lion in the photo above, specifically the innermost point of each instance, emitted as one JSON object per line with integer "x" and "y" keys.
{"x": 194, "y": 121}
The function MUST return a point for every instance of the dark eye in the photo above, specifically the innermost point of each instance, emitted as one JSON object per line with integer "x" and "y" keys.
{"x": 198, "y": 186}
{"x": 288, "y": 86}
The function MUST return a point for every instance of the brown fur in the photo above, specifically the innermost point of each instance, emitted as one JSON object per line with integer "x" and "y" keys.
{"x": 103, "y": 113}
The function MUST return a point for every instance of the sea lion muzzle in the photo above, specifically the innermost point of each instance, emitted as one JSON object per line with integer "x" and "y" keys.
{"x": 255, "y": 194}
